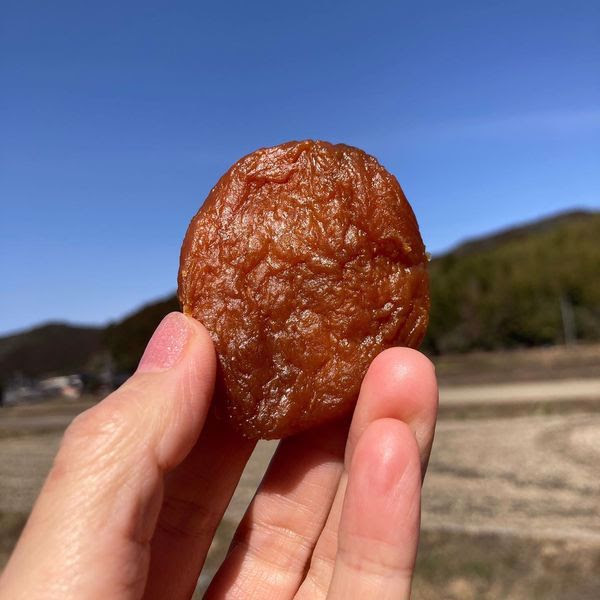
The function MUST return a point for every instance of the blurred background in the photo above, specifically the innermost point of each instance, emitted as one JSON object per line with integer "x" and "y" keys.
{"x": 117, "y": 119}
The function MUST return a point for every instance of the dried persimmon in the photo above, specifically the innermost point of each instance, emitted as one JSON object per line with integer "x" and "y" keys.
{"x": 304, "y": 262}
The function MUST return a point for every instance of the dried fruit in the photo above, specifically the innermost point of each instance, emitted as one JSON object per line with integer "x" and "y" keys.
{"x": 304, "y": 263}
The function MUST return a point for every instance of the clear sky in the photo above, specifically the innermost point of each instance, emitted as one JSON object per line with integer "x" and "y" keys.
{"x": 116, "y": 119}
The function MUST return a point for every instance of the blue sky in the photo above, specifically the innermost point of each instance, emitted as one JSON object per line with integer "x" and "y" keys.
{"x": 117, "y": 118}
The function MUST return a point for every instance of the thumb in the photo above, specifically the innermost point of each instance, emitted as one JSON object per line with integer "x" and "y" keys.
{"x": 88, "y": 534}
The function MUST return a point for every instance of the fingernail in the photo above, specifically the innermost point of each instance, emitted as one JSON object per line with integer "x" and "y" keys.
{"x": 166, "y": 344}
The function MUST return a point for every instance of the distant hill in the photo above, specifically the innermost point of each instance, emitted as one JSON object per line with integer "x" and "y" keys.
{"x": 127, "y": 339}
{"x": 511, "y": 289}
{"x": 519, "y": 287}
{"x": 516, "y": 232}
{"x": 60, "y": 348}
{"x": 53, "y": 348}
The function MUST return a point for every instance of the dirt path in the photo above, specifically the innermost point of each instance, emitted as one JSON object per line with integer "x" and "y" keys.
{"x": 533, "y": 476}
{"x": 532, "y": 391}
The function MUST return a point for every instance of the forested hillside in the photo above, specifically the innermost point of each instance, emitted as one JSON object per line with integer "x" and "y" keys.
{"x": 524, "y": 287}
{"x": 50, "y": 348}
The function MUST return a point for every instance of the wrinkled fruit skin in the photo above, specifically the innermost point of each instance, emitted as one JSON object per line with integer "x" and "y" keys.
{"x": 304, "y": 263}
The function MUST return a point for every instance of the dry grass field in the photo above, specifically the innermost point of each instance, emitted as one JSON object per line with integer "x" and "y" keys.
{"x": 511, "y": 503}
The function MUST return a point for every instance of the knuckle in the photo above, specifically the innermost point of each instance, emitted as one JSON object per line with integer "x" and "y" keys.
{"x": 258, "y": 536}
{"x": 320, "y": 571}
{"x": 95, "y": 424}
{"x": 373, "y": 557}
{"x": 98, "y": 438}
{"x": 94, "y": 431}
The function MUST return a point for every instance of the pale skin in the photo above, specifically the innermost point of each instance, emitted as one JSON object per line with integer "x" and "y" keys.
{"x": 142, "y": 479}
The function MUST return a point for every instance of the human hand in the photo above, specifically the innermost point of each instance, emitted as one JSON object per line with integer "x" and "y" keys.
{"x": 140, "y": 484}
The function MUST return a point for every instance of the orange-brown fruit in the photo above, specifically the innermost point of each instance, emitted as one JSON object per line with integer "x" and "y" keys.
{"x": 304, "y": 262}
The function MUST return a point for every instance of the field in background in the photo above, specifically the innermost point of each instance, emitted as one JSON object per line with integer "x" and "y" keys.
{"x": 511, "y": 504}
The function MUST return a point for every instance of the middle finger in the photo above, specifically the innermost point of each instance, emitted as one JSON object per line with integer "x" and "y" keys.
{"x": 272, "y": 547}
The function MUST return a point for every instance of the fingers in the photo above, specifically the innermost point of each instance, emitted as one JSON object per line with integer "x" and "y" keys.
{"x": 273, "y": 544}
{"x": 196, "y": 496}
{"x": 379, "y": 525}
{"x": 400, "y": 384}
{"x": 100, "y": 502}
{"x": 318, "y": 576}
